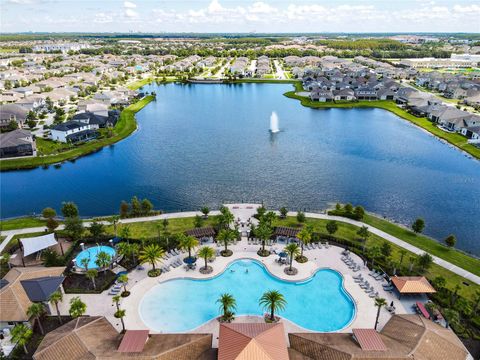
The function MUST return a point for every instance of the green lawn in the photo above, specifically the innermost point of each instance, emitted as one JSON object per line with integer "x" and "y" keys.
{"x": 433, "y": 247}
{"x": 20, "y": 223}
{"x": 49, "y": 147}
{"x": 454, "y": 139}
{"x": 124, "y": 127}
{"x": 139, "y": 83}
{"x": 348, "y": 231}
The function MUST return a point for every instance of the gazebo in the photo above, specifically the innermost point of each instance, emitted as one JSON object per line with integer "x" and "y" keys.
{"x": 35, "y": 245}
{"x": 204, "y": 234}
{"x": 412, "y": 285}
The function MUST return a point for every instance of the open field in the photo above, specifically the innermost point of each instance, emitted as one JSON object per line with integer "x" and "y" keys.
{"x": 20, "y": 223}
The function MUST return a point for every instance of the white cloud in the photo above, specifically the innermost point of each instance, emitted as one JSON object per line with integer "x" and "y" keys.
{"x": 102, "y": 18}
{"x": 129, "y": 5}
{"x": 131, "y": 13}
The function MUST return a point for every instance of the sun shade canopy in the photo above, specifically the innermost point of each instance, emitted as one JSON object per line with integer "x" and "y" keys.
{"x": 35, "y": 244}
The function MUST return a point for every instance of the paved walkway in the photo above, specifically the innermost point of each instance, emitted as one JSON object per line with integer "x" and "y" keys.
{"x": 239, "y": 211}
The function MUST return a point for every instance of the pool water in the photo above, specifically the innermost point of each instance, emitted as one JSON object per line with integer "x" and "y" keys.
{"x": 91, "y": 254}
{"x": 319, "y": 303}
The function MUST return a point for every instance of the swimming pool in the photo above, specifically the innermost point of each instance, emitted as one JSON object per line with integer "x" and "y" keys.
{"x": 319, "y": 303}
{"x": 91, "y": 254}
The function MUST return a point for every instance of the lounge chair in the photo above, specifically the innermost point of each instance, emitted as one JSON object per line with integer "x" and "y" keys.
{"x": 359, "y": 280}
{"x": 327, "y": 245}
{"x": 373, "y": 294}
{"x": 357, "y": 268}
{"x": 359, "y": 276}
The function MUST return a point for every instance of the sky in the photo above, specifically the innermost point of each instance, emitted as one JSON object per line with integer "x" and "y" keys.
{"x": 156, "y": 16}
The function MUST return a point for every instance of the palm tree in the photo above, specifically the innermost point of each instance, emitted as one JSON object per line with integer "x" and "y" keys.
{"x": 263, "y": 232}
{"x": 55, "y": 298}
{"x": 92, "y": 274}
{"x": 206, "y": 252}
{"x": 125, "y": 233}
{"x": 84, "y": 263}
{"x": 226, "y": 218}
{"x": 151, "y": 253}
{"x": 36, "y": 310}
{"x": 114, "y": 221}
{"x": 273, "y": 301}
{"x": 21, "y": 334}
{"x": 77, "y": 307}
{"x": 116, "y": 301}
{"x": 402, "y": 252}
{"x": 120, "y": 314}
{"x": 205, "y": 210}
{"x": 188, "y": 243}
{"x": 375, "y": 252}
{"x": 293, "y": 251}
{"x": 225, "y": 236}
{"x": 227, "y": 305}
{"x": 305, "y": 237}
{"x": 379, "y": 302}
{"x": 124, "y": 280}
{"x": 283, "y": 212}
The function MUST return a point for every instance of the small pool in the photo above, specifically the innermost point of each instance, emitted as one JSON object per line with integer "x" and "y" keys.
{"x": 91, "y": 254}
{"x": 318, "y": 304}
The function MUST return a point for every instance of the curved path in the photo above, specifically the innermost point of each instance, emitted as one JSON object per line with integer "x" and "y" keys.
{"x": 245, "y": 210}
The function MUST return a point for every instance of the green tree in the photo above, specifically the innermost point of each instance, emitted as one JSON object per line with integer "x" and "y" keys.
{"x": 114, "y": 221}
{"x": 103, "y": 261}
{"x": 402, "y": 252}
{"x": 116, "y": 301}
{"x": 379, "y": 303}
{"x": 283, "y": 212}
{"x": 36, "y": 310}
{"x": 151, "y": 253}
{"x": 206, "y": 253}
{"x": 348, "y": 208}
{"x": 77, "y": 307}
{"x": 359, "y": 212}
{"x": 227, "y": 305}
{"x": 425, "y": 261}
{"x": 364, "y": 234}
{"x": 125, "y": 232}
{"x": 293, "y": 251}
{"x": 124, "y": 280}
{"x": 225, "y": 237}
{"x": 49, "y": 213}
{"x": 198, "y": 221}
{"x": 386, "y": 249}
{"x": 263, "y": 232}
{"x": 332, "y": 227}
{"x": 96, "y": 229}
{"x": 92, "y": 274}
{"x": 451, "y": 240}
{"x": 52, "y": 224}
{"x": 55, "y": 298}
{"x": 21, "y": 335}
{"x": 136, "y": 206}
{"x": 226, "y": 217}
{"x": 305, "y": 237}
{"x": 124, "y": 209}
{"x": 418, "y": 225}
{"x": 374, "y": 253}
{"x": 187, "y": 243}
{"x": 146, "y": 206}
{"x": 205, "y": 210}
{"x": 74, "y": 227}
{"x": 120, "y": 314}
{"x": 300, "y": 217}
{"x": 84, "y": 262}
{"x": 273, "y": 301}
{"x": 69, "y": 209}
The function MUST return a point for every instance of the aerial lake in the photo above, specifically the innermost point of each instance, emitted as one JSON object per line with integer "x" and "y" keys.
{"x": 209, "y": 144}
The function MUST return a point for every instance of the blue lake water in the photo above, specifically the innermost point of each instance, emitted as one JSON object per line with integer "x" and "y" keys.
{"x": 208, "y": 144}
{"x": 319, "y": 304}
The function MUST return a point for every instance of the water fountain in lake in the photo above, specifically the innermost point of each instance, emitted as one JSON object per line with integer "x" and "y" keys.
{"x": 274, "y": 123}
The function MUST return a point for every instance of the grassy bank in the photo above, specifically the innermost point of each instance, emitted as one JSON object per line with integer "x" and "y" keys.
{"x": 425, "y": 243}
{"x": 139, "y": 83}
{"x": 349, "y": 232}
{"x": 389, "y": 105}
{"x": 124, "y": 127}
{"x": 21, "y": 223}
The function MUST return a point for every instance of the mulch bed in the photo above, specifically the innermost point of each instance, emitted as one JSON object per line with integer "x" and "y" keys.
{"x": 291, "y": 272}
{"x": 206, "y": 271}
{"x": 301, "y": 259}
{"x": 76, "y": 283}
{"x": 263, "y": 253}
{"x": 226, "y": 253}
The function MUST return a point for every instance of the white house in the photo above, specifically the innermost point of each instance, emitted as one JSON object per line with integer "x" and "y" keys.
{"x": 72, "y": 131}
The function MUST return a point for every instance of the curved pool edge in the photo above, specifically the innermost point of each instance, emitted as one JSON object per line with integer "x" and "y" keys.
{"x": 265, "y": 267}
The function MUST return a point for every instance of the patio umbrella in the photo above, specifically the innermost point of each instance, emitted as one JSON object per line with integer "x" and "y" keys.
{"x": 283, "y": 254}
{"x": 190, "y": 260}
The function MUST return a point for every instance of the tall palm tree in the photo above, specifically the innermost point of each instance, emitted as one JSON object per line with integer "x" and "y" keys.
{"x": 116, "y": 301}
{"x": 151, "y": 253}
{"x": 114, "y": 221}
{"x": 55, "y": 298}
{"x": 226, "y": 218}
{"x": 263, "y": 232}
{"x": 36, "y": 310}
{"x": 227, "y": 305}
{"x": 124, "y": 280}
{"x": 21, "y": 335}
{"x": 293, "y": 251}
{"x": 206, "y": 252}
{"x": 305, "y": 237}
{"x": 273, "y": 301}
{"x": 120, "y": 314}
{"x": 84, "y": 262}
{"x": 375, "y": 252}
{"x": 225, "y": 237}
{"x": 103, "y": 261}
{"x": 92, "y": 274}
{"x": 379, "y": 302}
{"x": 188, "y": 243}
{"x": 77, "y": 307}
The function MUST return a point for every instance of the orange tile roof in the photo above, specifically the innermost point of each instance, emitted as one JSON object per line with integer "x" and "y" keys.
{"x": 253, "y": 341}
{"x": 412, "y": 285}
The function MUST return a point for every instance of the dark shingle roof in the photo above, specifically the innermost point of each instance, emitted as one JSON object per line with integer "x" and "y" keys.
{"x": 40, "y": 289}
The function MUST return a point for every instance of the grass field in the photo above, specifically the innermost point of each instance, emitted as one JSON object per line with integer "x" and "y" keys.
{"x": 454, "y": 139}
{"x": 348, "y": 231}
{"x": 20, "y": 223}
{"x": 139, "y": 83}
{"x": 124, "y": 127}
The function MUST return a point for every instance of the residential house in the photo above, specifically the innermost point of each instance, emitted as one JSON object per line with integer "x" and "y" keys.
{"x": 321, "y": 95}
{"x": 12, "y": 112}
{"x": 32, "y": 102}
{"x": 17, "y": 143}
{"x": 72, "y": 131}
{"x": 344, "y": 94}
{"x": 96, "y": 120}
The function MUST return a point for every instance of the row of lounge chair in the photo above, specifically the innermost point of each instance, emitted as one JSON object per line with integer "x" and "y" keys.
{"x": 116, "y": 288}
{"x": 351, "y": 263}
{"x": 172, "y": 253}
{"x": 365, "y": 285}
{"x": 377, "y": 275}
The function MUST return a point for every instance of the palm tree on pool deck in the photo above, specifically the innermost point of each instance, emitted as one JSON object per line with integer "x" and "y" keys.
{"x": 124, "y": 280}
{"x": 273, "y": 301}
{"x": 206, "y": 252}
{"x": 151, "y": 253}
{"x": 187, "y": 243}
{"x": 120, "y": 314}
{"x": 84, "y": 262}
{"x": 305, "y": 237}
{"x": 36, "y": 310}
{"x": 103, "y": 261}
{"x": 225, "y": 237}
{"x": 92, "y": 274}
{"x": 55, "y": 298}
{"x": 21, "y": 335}
{"x": 227, "y": 305}
{"x": 77, "y": 307}
{"x": 263, "y": 232}
{"x": 293, "y": 251}
{"x": 379, "y": 302}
